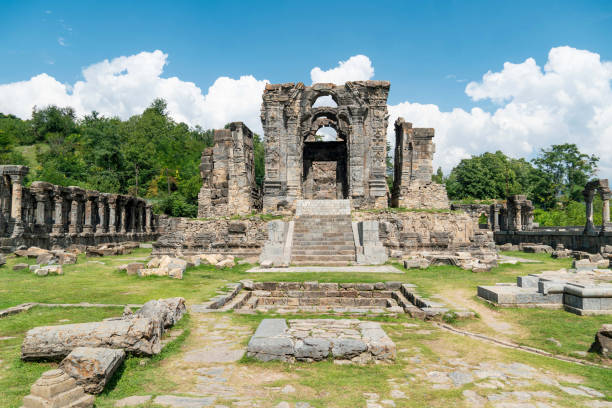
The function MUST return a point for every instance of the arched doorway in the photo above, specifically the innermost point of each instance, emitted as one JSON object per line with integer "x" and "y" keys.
{"x": 325, "y": 156}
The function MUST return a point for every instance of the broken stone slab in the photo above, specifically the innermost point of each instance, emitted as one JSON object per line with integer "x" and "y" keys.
{"x": 32, "y": 252}
{"x": 167, "y": 311}
{"x": 55, "y": 389}
{"x": 20, "y": 266}
{"x": 140, "y": 336}
{"x": 603, "y": 341}
{"x": 92, "y": 367}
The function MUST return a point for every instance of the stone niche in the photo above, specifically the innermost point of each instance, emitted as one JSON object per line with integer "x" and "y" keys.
{"x": 228, "y": 174}
{"x": 412, "y": 184}
{"x": 295, "y": 158}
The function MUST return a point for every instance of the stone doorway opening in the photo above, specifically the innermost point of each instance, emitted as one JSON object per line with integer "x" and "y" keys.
{"x": 325, "y": 173}
{"x": 325, "y": 161}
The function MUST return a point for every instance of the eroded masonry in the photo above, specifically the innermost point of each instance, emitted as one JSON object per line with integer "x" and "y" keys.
{"x": 325, "y": 183}
{"x": 47, "y": 215}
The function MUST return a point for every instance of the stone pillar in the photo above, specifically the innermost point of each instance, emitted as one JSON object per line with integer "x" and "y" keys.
{"x": 518, "y": 217}
{"x": 588, "y": 194}
{"x": 123, "y": 217}
{"x": 16, "y": 204}
{"x": 606, "y": 226}
{"x": 148, "y": 219}
{"x": 101, "y": 227}
{"x": 73, "y": 228}
{"x": 112, "y": 214}
{"x": 40, "y": 208}
{"x": 58, "y": 223}
{"x": 89, "y": 215}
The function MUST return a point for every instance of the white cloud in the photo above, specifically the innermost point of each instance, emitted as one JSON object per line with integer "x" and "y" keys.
{"x": 125, "y": 86}
{"x": 568, "y": 101}
{"x": 61, "y": 41}
{"x": 356, "y": 68}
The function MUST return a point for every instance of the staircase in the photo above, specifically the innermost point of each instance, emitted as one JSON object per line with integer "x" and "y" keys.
{"x": 323, "y": 234}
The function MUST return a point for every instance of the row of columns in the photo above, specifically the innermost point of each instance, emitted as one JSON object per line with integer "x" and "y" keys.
{"x": 47, "y": 208}
{"x": 516, "y": 215}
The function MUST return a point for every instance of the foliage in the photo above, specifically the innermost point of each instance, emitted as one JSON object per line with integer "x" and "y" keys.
{"x": 567, "y": 169}
{"x": 572, "y": 213}
{"x": 148, "y": 155}
{"x": 489, "y": 176}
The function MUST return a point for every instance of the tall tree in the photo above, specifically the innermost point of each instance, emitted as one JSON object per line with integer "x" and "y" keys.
{"x": 567, "y": 169}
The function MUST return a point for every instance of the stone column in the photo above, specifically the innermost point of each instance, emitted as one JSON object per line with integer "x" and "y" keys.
{"x": 16, "y": 204}
{"x": 588, "y": 194}
{"x": 58, "y": 223}
{"x": 148, "y": 219}
{"x": 518, "y": 217}
{"x": 112, "y": 214}
{"x": 101, "y": 227}
{"x": 605, "y": 212}
{"x": 73, "y": 228}
{"x": 89, "y": 214}
{"x": 40, "y": 208}
{"x": 123, "y": 217}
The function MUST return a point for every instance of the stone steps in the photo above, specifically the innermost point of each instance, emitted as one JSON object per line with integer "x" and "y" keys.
{"x": 323, "y": 239}
{"x": 327, "y": 252}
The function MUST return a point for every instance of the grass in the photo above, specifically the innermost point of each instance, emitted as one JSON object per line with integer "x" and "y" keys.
{"x": 322, "y": 384}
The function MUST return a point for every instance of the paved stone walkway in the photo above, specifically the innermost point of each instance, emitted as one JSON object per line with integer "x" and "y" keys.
{"x": 336, "y": 269}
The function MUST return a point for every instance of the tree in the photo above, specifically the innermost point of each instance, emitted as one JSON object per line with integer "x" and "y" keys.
{"x": 438, "y": 177}
{"x": 489, "y": 176}
{"x": 566, "y": 170}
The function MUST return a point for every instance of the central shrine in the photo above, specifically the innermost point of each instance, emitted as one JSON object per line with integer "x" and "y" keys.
{"x": 302, "y": 166}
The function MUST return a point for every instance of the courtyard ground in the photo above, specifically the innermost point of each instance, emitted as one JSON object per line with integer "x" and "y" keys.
{"x": 204, "y": 358}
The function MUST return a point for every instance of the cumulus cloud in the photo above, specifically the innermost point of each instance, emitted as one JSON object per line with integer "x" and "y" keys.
{"x": 567, "y": 101}
{"x": 125, "y": 86}
{"x": 356, "y": 68}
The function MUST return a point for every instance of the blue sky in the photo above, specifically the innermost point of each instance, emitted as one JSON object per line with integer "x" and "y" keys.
{"x": 429, "y": 50}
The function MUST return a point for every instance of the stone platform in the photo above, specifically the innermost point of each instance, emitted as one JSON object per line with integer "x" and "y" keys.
{"x": 319, "y": 339}
{"x": 582, "y": 292}
{"x": 329, "y": 269}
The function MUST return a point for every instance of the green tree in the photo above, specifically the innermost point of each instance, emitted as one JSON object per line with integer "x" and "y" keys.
{"x": 438, "y": 177}
{"x": 566, "y": 170}
{"x": 489, "y": 176}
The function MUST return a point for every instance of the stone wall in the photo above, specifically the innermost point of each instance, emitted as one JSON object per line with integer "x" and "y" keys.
{"x": 220, "y": 236}
{"x": 400, "y": 233}
{"x": 360, "y": 120}
{"x": 46, "y": 215}
{"x": 412, "y": 185}
{"x": 228, "y": 174}
{"x": 404, "y": 233}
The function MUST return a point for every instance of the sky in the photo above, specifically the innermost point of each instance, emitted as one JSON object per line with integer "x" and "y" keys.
{"x": 514, "y": 76}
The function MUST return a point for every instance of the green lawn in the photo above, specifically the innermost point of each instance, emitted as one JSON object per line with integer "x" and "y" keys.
{"x": 90, "y": 281}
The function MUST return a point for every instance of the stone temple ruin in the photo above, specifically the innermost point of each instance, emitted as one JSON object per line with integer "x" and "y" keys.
{"x": 47, "y": 215}
{"x": 299, "y": 166}
{"x": 321, "y": 186}
{"x": 228, "y": 174}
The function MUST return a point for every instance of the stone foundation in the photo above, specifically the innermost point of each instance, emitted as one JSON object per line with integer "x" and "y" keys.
{"x": 582, "y": 292}
{"x": 318, "y": 339}
{"x": 221, "y": 236}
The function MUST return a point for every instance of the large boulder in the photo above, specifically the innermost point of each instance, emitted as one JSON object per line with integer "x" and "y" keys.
{"x": 167, "y": 311}
{"x": 92, "y": 367}
{"x": 603, "y": 341}
{"x": 139, "y": 335}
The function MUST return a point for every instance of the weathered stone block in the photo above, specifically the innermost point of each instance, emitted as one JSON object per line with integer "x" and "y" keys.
{"x": 92, "y": 367}
{"x": 140, "y": 336}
